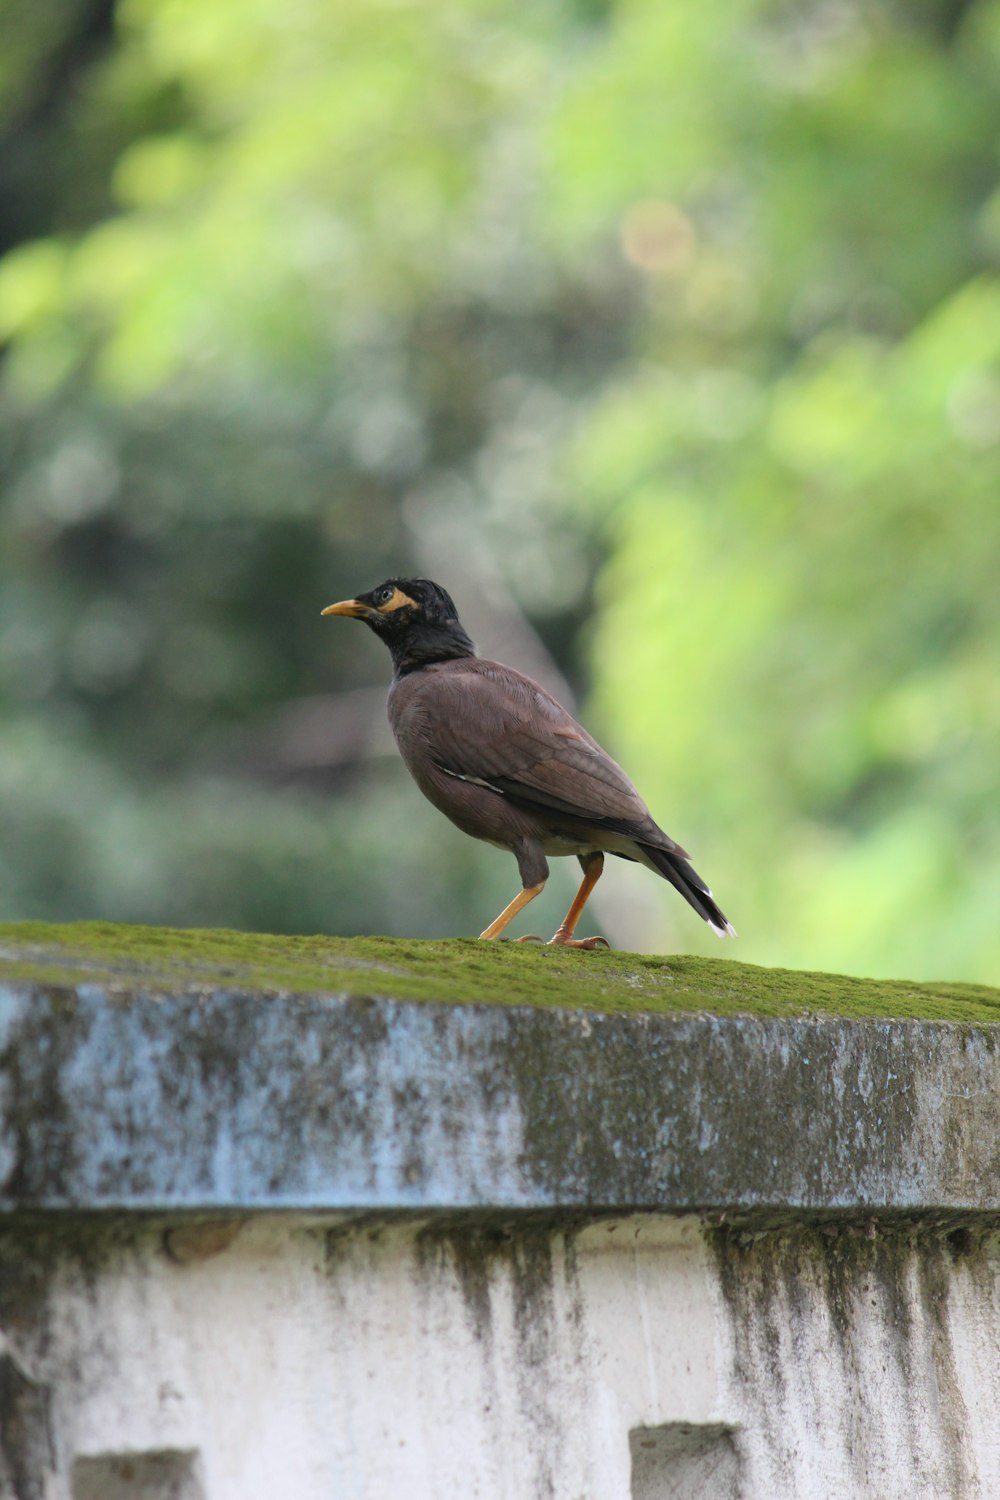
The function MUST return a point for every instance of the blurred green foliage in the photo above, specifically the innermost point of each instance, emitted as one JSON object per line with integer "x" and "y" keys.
{"x": 671, "y": 330}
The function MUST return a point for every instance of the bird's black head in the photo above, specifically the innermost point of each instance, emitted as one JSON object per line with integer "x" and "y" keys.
{"x": 416, "y": 619}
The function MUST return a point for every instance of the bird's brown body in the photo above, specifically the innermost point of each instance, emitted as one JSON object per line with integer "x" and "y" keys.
{"x": 505, "y": 762}
{"x": 501, "y": 758}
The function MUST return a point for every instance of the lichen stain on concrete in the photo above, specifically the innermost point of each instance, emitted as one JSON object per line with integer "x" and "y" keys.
{"x": 876, "y": 1299}
{"x": 36, "y": 1256}
{"x": 819, "y": 1113}
{"x": 519, "y": 1270}
{"x": 27, "y": 1460}
{"x": 231, "y": 1100}
{"x": 934, "y": 1276}
{"x": 583, "y": 1109}
{"x": 33, "y": 1059}
{"x": 966, "y": 1106}
{"x": 533, "y": 1277}
{"x": 472, "y": 1254}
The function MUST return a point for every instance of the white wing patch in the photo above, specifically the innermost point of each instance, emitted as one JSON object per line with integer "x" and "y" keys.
{"x": 472, "y": 780}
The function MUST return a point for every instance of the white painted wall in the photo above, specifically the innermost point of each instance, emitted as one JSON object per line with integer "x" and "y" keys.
{"x": 302, "y": 1359}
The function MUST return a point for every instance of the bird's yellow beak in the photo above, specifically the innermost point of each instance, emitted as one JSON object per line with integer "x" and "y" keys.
{"x": 350, "y": 607}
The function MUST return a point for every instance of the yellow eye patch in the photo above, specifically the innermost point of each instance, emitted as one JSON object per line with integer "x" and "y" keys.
{"x": 399, "y": 600}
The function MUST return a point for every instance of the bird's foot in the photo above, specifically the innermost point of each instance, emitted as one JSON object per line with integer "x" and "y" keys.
{"x": 587, "y": 943}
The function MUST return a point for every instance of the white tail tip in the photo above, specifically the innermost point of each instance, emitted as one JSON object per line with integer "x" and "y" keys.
{"x": 723, "y": 932}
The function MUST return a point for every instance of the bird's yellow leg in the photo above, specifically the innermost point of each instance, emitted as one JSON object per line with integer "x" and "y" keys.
{"x": 564, "y": 937}
{"x": 508, "y": 914}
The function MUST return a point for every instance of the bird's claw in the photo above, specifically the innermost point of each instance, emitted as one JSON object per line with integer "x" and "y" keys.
{"x": 588, "y": 943}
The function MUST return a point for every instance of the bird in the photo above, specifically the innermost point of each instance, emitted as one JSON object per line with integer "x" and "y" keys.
{"x": 503, "y": 759}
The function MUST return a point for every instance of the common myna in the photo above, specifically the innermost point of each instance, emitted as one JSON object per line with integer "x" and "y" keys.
{"x": 506, "y": 763}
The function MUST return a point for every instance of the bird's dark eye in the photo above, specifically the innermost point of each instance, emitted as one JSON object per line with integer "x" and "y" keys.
{"x": 384, "y": 595}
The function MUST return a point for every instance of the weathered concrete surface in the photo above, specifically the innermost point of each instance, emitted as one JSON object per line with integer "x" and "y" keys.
{"x": 272, "y": 1246}
{"x": 231, "y": 1100}
{"x": 631, "y": 1359}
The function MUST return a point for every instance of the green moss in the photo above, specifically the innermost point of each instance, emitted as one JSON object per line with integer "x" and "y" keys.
{"x": 125, "y": 957}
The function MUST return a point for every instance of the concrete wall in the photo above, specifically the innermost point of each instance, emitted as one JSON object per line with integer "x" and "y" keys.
{"x": 259, "y": 1247}
{"x": 634, "y": 1358}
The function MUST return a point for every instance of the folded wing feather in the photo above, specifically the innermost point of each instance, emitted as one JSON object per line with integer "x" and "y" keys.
{"x": 532, "y": 751}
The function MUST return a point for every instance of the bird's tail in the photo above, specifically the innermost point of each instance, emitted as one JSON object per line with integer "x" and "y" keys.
{"x": 684, "y": 878}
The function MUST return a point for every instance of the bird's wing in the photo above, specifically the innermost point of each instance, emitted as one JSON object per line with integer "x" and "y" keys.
{"x": 494, "y": 727}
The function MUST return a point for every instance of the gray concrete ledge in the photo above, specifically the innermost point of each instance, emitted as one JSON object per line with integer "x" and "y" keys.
{"x": 242, "y": 1101}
